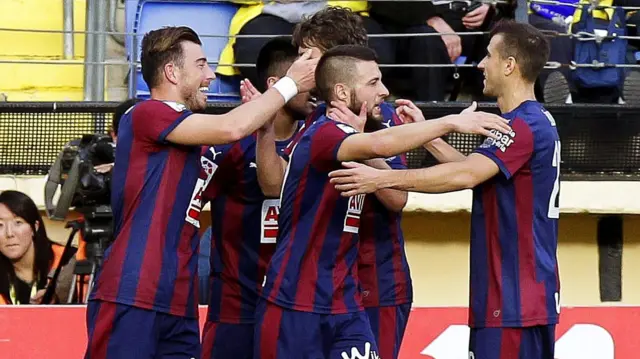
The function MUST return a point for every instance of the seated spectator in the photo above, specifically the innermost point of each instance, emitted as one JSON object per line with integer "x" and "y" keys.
{"x": 433, "y": 83}
{"x": 28, "y": 258}
{"x": 280, "y": 18}
{"x": 558, "y": 88}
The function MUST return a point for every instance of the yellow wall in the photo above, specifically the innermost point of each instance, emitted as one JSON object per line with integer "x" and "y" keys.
{"x": 38, "y": 15}
{"x": 39, "y": 82}
{"x": 438, "y": 251}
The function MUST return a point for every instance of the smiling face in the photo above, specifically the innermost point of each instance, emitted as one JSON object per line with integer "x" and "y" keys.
{"x": 16, "y": 235}
{"x": 193, "y": 76}
{"x": 495, "y": 68}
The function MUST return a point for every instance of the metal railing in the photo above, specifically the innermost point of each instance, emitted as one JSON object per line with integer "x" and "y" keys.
{"x": 599, "y": 142}
{"x": 101, "y": 19}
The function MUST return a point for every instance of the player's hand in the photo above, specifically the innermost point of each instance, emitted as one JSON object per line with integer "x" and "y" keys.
{"x": 479, "y": 123}
{"x": 408, "y": 112}
{"x": 355, "y": 179}
{"x": 472, "y": 108}
{"x": 341, "y": 113}
{"x": 303, "y": 72}
{"x": 37, "y": 299}
{"x": 248, "y": 92}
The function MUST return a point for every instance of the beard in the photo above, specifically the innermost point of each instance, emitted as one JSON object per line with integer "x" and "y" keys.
{"x": 191, "y": 99}
{"x": 372, "y": 124}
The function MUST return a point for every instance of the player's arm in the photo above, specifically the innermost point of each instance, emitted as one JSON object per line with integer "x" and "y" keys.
{"x": 393, "y": 199}
{"x": 408, "y": 112}
{"x": 400, "y": 139}
{"x": 444, "y": 152}
{"x": 447, "y": 177}
{"x": 271, "y": 167}
{"x": 201, "y": 129}
{"x": 506, "y": 155}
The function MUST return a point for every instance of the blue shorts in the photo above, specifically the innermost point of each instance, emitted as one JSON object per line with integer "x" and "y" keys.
{"x": 284, "y": 334}
{"x": 513, "y": 343}
{"x": 224, "y": 340}
{"x": 388, "y": 325}
{"x": 121, "y": 331}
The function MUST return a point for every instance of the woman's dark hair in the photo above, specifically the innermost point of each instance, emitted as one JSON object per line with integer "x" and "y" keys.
{"x": 22, "y": 206}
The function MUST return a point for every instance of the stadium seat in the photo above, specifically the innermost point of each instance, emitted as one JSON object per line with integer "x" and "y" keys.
{"x": 205, "y": 17}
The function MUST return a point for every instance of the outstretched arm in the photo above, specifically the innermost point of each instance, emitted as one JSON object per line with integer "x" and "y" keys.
{"x": 201, "y": 129}
{"x": 393, "y": 199}
{"x": 444, "y": 152}
{"x": 400, "y": 139}
{"x": 448, "y": 177}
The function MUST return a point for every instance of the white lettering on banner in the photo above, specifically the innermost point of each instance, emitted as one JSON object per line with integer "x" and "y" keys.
{"x": 453, "y": 343}
{"x": 355, "y": 353}
{"x": 352, "y": 218}
{"x": 195, "y": 205}
{"x": 502, "y": 142}
{"x": 581, "y": 341}
{"x": 585, "y": 341}
{"x": 270, "y": 213}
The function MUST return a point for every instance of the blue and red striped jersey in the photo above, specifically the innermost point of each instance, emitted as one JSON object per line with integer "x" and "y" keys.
{"x": 314, "y": 268}
{"x": 244, "y": 226}
{"x": 382, "y": 262}
{"x": 514, "y": 226}
{"x": 152, "y": 263}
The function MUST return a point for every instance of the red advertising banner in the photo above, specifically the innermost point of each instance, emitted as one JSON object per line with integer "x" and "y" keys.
{"x": 59, "y": 332}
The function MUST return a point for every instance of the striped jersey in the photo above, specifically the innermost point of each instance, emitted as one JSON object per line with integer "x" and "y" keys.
{"x": 152, "y": 263}
{"x": 314, "y": 267}
{"x": 244, "y": 226}
{"x": 382, "y": 262}
{"x": 514, "y": 226}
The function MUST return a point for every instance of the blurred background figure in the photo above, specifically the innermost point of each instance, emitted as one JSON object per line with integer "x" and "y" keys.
{"x": 28, "y": 258}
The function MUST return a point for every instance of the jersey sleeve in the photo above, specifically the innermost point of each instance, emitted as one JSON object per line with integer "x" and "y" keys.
{"x": 510, "y": 151}
{"x": 326, "y": 142}
{"x": 154, "y": 120}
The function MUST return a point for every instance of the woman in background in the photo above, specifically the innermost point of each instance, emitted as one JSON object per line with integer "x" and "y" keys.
{"x": 27, "y": 257}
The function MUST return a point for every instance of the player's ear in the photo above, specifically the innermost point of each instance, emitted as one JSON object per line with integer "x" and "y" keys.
{"x": 272, "y": 80}
{"x": 509, "y": 65}
{"x": 171, "y": 72}
{"x": 341, "y": 92}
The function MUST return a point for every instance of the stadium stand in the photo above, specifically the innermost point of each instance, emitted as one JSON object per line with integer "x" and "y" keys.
{"x": 211, "y": 18}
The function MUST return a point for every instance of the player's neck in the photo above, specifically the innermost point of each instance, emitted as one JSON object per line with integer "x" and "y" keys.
{"x": 284, "y": 125}
{"x": 514, "y": 95}
{"x": 166, "y": 94}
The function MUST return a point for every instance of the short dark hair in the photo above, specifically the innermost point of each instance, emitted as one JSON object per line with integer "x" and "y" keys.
{"x": 339, "y": 65}
{"x": 330, "y": 27}
{"x": 119, "y": 112}
{"x": 274, "y": 59}
{"x": 526, "y": 44}
{"x": 162, "y": 46}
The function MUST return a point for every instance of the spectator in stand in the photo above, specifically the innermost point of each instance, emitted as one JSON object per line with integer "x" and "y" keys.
{"x": 28, "y": 258}
{"x": 432, "y": 84}
{"x": 557, "y": 88}
{"x": 280, "y": 18}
